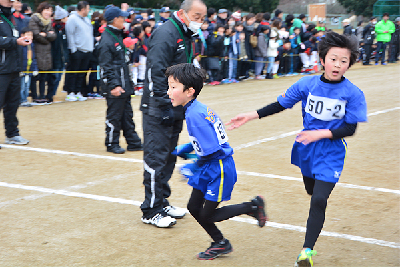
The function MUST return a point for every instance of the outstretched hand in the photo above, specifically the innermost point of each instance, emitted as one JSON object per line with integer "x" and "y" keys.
{"x": 241, "y": 119}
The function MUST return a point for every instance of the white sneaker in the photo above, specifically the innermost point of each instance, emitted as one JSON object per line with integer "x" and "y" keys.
{"x": 175, "y": 212}
{"x": 16, "y": 140}
{"x": 80, "y": 97}
{"x": 71, "y": 97}
{"x": 160, "y": 220}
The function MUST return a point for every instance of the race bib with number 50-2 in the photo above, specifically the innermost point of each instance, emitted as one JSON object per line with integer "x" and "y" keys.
{"x": 325, "y": 109}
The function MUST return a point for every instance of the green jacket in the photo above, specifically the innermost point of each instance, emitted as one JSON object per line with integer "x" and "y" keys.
{"x": 381, "y": 27}
{"x": 296, "y": 23}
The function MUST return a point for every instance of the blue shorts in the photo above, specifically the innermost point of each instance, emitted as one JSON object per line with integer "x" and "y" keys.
{"x": 322, "y": 160}
{"x": 215, "y": 179}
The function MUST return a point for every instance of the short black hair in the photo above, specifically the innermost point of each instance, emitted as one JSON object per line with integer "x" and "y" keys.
{"x": 81, "y": 5}
{"x": 333, "y": 39}
{"x": 289, "y": 18}
{"x": 70, "y": 9}
{"x": 372, "y": 18}
{"x": 238, "y": 23}
{"x": 25, "y": 30}
{"x": 145, "y": 24}
{"x": 137, "y": 30}
{"x": 267, "y": 16}
{"x": 189, "y": 75}
{"x": 219, "y": 25}
{"x": 211, "y": 11}
{"x": 385, "y": 14}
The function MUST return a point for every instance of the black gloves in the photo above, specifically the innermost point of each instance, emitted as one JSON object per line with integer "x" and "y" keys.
{"x": 167, "y": 117}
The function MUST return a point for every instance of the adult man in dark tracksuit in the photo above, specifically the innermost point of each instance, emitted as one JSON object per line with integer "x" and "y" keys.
{"x": 117, "y": 84}
{"x": 169, "y": 44}
{"x": 10, "y": 66}
{"x": 368, "y": 37}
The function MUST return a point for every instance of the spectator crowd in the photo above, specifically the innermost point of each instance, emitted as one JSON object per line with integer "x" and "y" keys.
{"x": 229, "y": 46}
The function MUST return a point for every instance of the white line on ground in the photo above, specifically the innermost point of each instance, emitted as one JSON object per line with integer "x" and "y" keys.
{"x": 273, "y": 176}
{"x": 61, "y": 152}
{"x": 257, "y": 142}
{"x": 73, "y": 187}
{"x": 368, "y": 188}
{"x": 237, "y": 219}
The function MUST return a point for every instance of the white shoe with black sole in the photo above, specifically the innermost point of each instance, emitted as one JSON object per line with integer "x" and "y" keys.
{"x": 160, "y": 221}
{"x": 175, "y": 212}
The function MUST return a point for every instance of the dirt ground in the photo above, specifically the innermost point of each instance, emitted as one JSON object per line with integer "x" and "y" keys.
{"x": 59, "y": 208}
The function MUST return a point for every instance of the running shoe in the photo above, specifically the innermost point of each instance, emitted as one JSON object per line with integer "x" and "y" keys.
{"x": 216, "y": 249}
{"x": 305, "y": 258}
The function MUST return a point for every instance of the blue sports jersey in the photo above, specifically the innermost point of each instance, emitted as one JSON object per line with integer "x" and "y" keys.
{"x": 324, "y": 106}
{"x": 216, "y": 176}
{"x": 206, "y": 131}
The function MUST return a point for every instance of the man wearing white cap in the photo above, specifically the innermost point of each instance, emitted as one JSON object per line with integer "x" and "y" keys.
{"x": 10, "y": 89}
{"x": 347, "y": 28}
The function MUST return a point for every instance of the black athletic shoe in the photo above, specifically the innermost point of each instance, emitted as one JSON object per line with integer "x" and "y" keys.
{"x": 259, "y": 210}
{"x": 116, "y": 149}
{"x": 135, "y": 147}
{"x": 216, "y": 249}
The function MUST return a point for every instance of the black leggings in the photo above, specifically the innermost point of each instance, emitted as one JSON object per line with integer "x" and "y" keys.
{"x": 206, "y": 213}
{"x": 319, "y": 192}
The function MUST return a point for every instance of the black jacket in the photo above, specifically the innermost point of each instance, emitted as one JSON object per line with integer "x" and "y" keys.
{"x": 396, "y": 35}
{"x": 215, "y": 45}
{"x": 369, "y": 34}
{"x": 166, "y": 48}
{"x": 114, "y": 69}
{"x": 348, "y": 30}
{"x": 10, "y": 52}
{"x": 59, "y": 47}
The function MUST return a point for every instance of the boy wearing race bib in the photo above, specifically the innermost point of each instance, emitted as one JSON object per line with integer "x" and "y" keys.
{"x": 331, "y": 108}
{"x": 213, "y": 175}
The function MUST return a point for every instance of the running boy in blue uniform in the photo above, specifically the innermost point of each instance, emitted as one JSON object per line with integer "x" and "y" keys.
{"x": 214, "y": 173}
{"x": 331, "y": 108}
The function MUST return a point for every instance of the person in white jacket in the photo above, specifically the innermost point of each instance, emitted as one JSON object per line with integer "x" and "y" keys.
{"x": 272, "y": 53}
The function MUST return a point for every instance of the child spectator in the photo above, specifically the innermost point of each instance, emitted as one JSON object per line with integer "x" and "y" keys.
{"x": 297, "y": 45}
{"x": 234, "y": 53}
{"x": 331, "y": 108}
{"x": 229, "y": 32}
{"x": 139, "y": 59}
{"x": 272, "y": 53}
{"x": 260, "y": 51}
{"x": 215, "y": 50}
{"x": 243, "y": 63}
{"x": 214, "y": 173}
{"x": 309, "y": 56}
{"x": 283, "y": 34}
{"x": 59, "y": 48}
{"x": 284, "y": 58}
{"x": 201, "y": 45}
{"x": 28, "y": 64}
{"x": 249, "y": 26}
